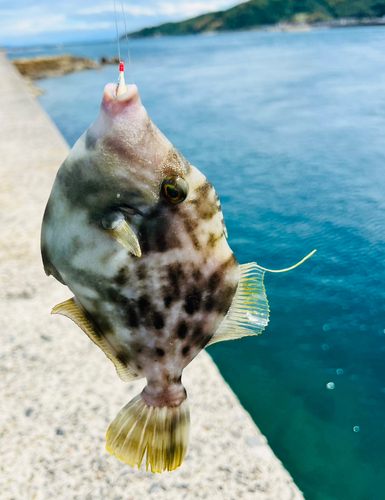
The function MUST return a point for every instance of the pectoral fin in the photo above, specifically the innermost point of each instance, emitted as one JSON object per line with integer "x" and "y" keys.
{"x": 118, "y": 228}
{"x": 249, "y": 311}
{"x": 72, "y": 310}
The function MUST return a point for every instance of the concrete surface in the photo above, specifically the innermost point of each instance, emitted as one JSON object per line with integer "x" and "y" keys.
{"x": 59, "y": 393}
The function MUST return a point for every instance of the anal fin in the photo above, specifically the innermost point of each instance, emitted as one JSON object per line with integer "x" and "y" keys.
{"x": 249, "y": 311}
{"x": 73, "y": 310}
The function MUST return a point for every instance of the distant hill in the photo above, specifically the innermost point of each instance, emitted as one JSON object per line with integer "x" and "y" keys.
{"x": 261, "y": 12}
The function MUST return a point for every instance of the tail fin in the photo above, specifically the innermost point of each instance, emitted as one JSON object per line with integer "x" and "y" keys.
{"x": 162, "y": 432}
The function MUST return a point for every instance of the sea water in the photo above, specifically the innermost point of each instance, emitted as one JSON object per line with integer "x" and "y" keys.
{"x": 290, "y": 129}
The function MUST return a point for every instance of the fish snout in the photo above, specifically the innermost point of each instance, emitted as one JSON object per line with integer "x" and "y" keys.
{"x": 116, "y": 104}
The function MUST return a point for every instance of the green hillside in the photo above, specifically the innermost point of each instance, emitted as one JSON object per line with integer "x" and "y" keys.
{"x": 260, "y": 12}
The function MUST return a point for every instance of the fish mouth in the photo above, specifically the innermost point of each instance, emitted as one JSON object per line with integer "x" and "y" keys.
{"x": 125, "y": 104}
{"x": 130, "y": 95}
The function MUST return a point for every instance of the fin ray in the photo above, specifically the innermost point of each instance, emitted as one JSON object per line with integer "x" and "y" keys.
{"x": 249, "y": 311}
{"x": 160, "y": 432}
{"x": 291, "y": 267}
{"x": 72, "y": 310}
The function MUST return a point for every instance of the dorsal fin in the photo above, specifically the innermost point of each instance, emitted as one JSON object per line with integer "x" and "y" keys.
{"x": 119, "y": 229}
{"x": 249, "y": 311}
{"x": 73, "y": 310}
{"x": 291, "y": 267}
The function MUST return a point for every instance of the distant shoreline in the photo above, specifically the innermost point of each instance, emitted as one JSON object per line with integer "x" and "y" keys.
{"x": 166, "y": 29}
{"x": 36, "y": 68}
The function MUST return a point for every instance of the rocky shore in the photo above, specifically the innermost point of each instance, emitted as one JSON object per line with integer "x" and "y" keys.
{"x": 59, "y": 392}
{"x": 37, "y": 68}
{"x": 49, "y": 67}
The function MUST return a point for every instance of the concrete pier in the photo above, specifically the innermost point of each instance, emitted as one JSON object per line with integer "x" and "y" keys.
{"x": 58, "y": 391}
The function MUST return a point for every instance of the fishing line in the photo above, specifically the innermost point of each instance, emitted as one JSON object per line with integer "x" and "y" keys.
{"x": 117, "y": 32}
{"x": 128, "y": 45}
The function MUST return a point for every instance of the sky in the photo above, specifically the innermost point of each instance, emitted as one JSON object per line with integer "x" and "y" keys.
{"x": 32, "y": 22}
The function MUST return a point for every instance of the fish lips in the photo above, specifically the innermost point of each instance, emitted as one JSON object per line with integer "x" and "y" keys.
{"x": 115, "y": 105}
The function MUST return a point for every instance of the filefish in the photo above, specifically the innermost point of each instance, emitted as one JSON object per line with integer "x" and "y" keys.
{"x": 137, "y": 234}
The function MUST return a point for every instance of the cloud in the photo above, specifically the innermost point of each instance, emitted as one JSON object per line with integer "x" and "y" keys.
{"x": 133, "y": 10}
{"x": 190, "y": 9}
{"x": 30, "y": 21}
{"x": 50, "y": 23}
{"x": 186, "y": 9}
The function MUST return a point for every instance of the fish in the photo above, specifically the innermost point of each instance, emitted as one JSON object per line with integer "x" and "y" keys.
{"x": 137, "y": 234}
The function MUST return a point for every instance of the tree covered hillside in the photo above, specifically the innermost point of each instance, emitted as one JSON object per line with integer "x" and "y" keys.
{"x": 260, "y": 12}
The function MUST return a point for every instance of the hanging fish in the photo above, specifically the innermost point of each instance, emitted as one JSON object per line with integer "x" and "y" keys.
{"x": 137, "y": 234}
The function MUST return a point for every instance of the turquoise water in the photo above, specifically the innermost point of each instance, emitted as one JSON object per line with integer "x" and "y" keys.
{"x": 289, "y": 127}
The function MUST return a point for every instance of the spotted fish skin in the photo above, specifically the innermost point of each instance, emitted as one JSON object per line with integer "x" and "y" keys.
{"x": 159, "y": 310}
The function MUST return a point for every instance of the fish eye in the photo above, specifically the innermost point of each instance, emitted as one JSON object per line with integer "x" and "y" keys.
{"x": 174, "y": 189}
